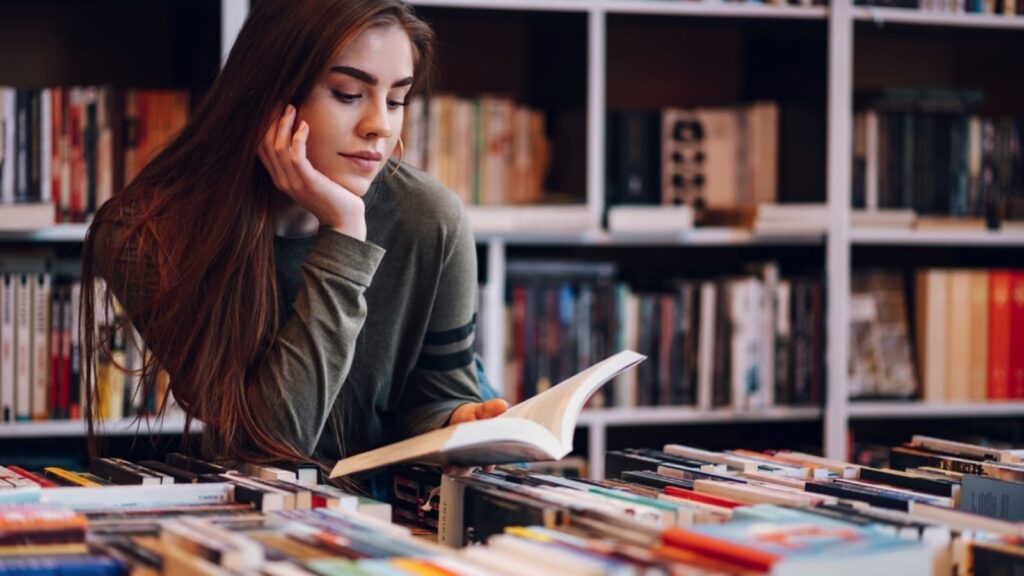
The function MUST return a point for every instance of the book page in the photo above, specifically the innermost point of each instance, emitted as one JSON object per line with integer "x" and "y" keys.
{"x": 477, "y": 443}
{"x": 558, "y": 408}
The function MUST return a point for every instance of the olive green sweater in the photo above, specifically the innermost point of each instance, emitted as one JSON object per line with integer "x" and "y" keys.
{"x": 379, "y": 333}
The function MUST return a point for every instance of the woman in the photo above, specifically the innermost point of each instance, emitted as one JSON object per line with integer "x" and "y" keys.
{"x": 306, "y": 296}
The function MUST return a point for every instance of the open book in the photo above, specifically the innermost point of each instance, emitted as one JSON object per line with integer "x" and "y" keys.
{"x": 535, "y": 430}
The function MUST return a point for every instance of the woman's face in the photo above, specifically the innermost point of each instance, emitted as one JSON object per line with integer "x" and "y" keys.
{"x": 356, "y": 109}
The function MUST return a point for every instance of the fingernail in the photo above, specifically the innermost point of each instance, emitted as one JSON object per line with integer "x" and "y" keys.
{"x": 290, "y": 110}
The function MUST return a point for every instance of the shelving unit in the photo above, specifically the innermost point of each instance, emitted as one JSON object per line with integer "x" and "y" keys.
{"x": 905, "y": 410}
{"x": 73, "y": 428}
{"x": 840, "y": 25}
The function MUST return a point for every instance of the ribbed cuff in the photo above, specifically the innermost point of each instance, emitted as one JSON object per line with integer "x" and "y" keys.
{"x": 345, "y": 256}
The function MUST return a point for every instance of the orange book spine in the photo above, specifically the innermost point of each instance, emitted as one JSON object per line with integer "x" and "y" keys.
{"x": 717, "y": 549}
{"x": 1017, "y": 334}
{"x": 999, "y": 335}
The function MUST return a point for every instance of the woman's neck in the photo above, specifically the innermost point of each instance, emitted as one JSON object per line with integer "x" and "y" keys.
{"x": 294, "y": 220}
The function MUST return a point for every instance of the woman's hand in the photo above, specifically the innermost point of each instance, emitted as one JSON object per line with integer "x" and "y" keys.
{"x": 468, "y": 413}
{"x": 283, "y": 153}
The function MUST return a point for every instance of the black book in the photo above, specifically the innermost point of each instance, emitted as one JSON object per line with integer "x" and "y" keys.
{"x": 634, "y": 157}
{"x": 993, "y": 498}
{"x": 196, "y": 465}
{"x": 117, "y": 472}
{"x": 180, "y": 476}
{"x": 660, "y": 481}
{"x": 908, "y": 481}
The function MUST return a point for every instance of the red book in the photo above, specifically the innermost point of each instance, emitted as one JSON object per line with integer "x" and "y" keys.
{"x": 677, "y": 492}
{"x": 720, "y": 549}
{"x": 43, "y": 482}
{"x": 1017, "y": 334}
{"x": 999, "y": 335}
{"x": 58, "y": 409}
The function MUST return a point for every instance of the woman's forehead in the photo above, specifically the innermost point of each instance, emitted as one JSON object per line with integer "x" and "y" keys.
{"x": 384, "y": 52}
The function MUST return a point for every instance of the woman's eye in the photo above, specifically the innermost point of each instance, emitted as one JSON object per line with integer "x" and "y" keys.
{"x": 395, "y": 105}
{"x": 346, "y": 98}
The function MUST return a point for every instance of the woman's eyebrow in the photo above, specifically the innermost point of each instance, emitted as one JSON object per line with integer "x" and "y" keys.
{"x": 366, "y": 77}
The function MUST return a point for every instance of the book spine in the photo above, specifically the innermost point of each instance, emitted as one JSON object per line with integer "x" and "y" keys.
{"x": 999, "y": 335}
{"x": 22, "y": 347}
{"x": 41, "y": 360}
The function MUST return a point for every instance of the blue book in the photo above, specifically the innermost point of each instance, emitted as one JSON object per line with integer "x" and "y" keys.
{"x": 78, "y": 565}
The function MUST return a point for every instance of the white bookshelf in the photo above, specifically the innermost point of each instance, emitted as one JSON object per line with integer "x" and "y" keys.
{"x": 842, "y": 20}
{"x": 73, "y": 428}
{"x": 925, "y": 237}
{"x": 907, "y": 410}
{"x": 58, "y": 233}
{"x": 661, "y": 415}
{"x": 883, "y": 16}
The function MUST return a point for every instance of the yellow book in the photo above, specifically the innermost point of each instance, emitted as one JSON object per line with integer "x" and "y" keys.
{"x": 69, "y": 477}
{"x": 958, "y": 351}
{"x": 44, "y": 549}
{"x": 418, "y": 567}
{"x": 978, "y": 338}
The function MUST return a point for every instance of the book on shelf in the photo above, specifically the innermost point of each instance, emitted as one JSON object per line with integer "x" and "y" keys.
{"x": 553, "y": 218}
{"x": 66, "y": 150}
{"x": 540, "y": 428}
{"x": 929, "y": 151}
{"x": 489, "y": 150}
{"x": 881, "y": 358}
{"x": 981, "y": 306}
{"x": 652, "y": 219}
{"x": 743, "y": 342}
{"x": 883, "y": 218}
{"x": 981, "y": 7}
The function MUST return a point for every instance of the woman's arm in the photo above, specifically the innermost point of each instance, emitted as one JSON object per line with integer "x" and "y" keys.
{"x": 445, "y": 375}
{"x": 309, "y": 360}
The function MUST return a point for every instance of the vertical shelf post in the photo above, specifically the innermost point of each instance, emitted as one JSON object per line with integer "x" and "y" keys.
{"x": 837, "y": 330}
{"x": 596, "y": 65}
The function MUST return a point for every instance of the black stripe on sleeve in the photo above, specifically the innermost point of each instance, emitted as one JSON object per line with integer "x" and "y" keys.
{"x": 445, "y": 362}
{"x": 450, "y": 336}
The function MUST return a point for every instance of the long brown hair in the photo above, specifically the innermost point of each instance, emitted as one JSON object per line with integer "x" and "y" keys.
{"x": 198, "y": 226}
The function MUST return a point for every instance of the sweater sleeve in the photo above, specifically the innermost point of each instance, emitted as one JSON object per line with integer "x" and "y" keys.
{"x": 445, "y": 373}
{"x": 308, "y": 362}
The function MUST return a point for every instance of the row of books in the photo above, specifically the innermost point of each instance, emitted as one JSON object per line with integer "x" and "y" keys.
{"x": 926, "y": 151}
{"x": 744, "y": 342}
{"x": 994, "y": 7}
{"x": 73, "y": 147}
{"x": 488, "y": 150}
{"x": 714, "y": 158}
{"x": 954, "y": 344}
{"x": 40, "y": 367}
{"x": 941, "y": 508}
{"x": 986, "y": 308}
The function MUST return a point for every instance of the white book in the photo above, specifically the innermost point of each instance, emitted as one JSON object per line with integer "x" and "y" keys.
{"x": 932, "y": 312}
{"x": 626, "y": 383}
{"x": 556, "y": 219}
{"x": 41, "y": 359}
{"x": 139, "y": 496}
{"x": 706, "y": 346}
{"x": 6, "y": 348}
{"x": 637, "y": 219}
{"x": 871, "y": 160}
{"x": 539, "y": 429}
{"x": 22, "y": 347}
